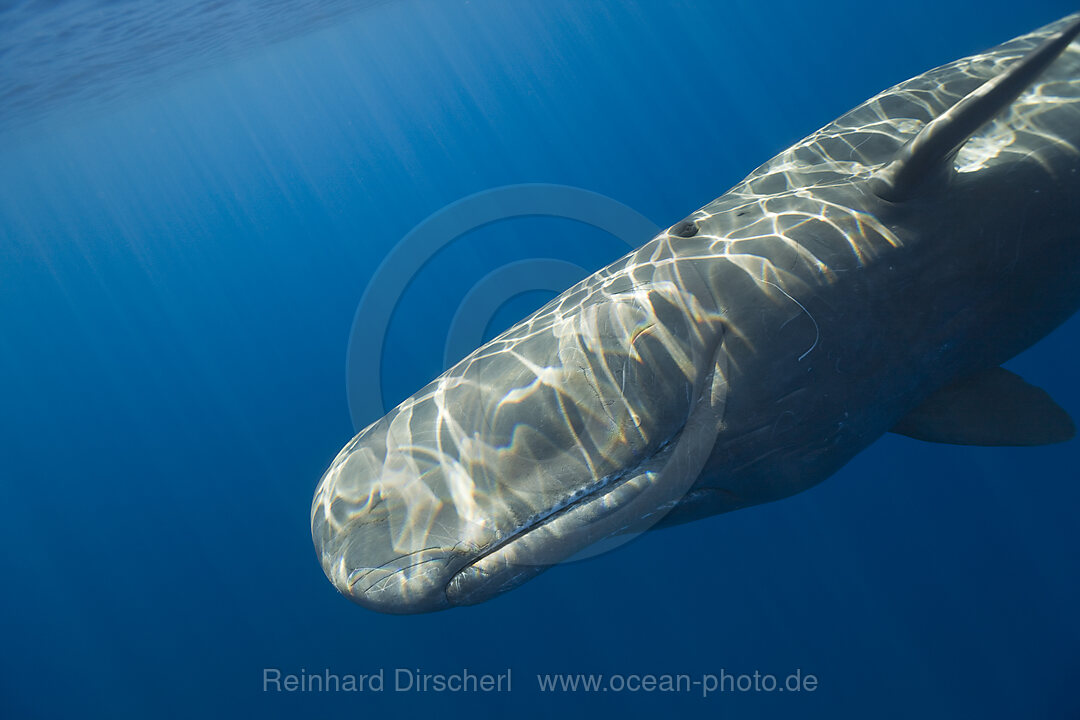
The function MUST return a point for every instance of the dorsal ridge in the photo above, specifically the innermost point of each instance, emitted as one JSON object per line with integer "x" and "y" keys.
{"x": 937, "y": 143}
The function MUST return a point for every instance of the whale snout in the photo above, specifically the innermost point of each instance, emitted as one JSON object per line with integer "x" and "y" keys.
{"x": 368, "y": 567}
{"x": 386, "y": 526}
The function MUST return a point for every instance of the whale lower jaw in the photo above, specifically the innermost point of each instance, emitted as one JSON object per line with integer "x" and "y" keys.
{"x": 614, "y": 512}
{"x": 622, "y": 508}
{"x": 610, "y": 510}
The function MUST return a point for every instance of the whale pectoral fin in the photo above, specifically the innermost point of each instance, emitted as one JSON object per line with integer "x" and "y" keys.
{"x": 992, "y": 408}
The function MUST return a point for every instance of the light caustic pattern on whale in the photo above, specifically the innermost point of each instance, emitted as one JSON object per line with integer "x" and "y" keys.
{"x": 713, "y": 368}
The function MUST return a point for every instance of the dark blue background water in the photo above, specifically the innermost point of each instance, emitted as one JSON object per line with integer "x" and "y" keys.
{"x": 179, "y": 269}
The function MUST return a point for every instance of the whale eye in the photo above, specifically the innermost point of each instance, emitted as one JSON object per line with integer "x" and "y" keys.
{"x": 684, "y": 229}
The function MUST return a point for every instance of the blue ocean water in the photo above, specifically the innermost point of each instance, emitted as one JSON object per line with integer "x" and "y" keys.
{"x": 192, "y": 202}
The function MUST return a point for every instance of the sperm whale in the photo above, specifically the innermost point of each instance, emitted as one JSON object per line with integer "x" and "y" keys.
{"x": 871, "y": 278}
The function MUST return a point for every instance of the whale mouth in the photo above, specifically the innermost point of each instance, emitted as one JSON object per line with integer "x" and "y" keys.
{"x": 442, "y": 576}
{"x": 622, "y": 504}
{"x": 452, "y": 572}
